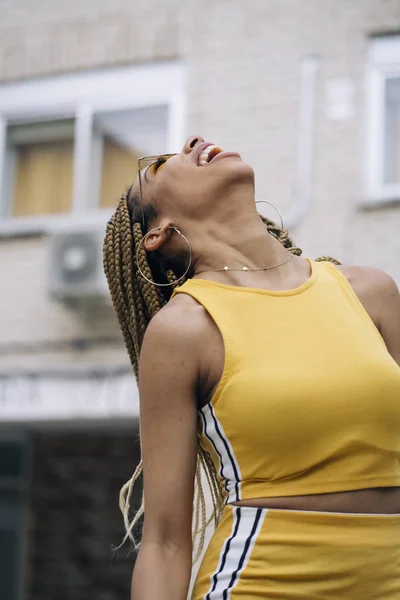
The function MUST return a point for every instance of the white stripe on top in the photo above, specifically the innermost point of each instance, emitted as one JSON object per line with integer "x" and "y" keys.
{"x": 229, "y": 466}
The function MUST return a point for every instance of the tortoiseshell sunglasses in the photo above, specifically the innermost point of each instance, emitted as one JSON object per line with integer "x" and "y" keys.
{"x": 146, "y": 162}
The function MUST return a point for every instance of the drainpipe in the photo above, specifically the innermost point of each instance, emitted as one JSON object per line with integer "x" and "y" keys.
{"x": 306, "y": 119}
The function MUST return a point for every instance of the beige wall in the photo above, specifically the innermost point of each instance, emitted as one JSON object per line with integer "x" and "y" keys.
{"x": 245, "y": 86}
{"x": 49, "y": 36}
{"x": 243, "y": 61}
{"x": 38, "y": 333}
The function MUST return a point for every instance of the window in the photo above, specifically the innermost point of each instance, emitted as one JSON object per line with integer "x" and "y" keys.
{"x": 39, "y": 169}
{"x": 383, "y": 142}
{"x": 391, "y": 159}
{"x": 70, "y": 144}
{"x": 124, "y": 136}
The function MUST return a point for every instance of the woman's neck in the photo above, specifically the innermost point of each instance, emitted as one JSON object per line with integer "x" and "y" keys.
{"x": 235, "y": 245}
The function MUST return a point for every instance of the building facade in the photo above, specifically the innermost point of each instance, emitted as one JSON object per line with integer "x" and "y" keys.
{"x": 307, "y": 91}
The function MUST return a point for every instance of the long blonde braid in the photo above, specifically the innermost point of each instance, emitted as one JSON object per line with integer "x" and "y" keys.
{"x": 136, "y": 301}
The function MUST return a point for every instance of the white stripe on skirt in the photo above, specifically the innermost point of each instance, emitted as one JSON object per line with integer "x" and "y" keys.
{"x": 235, "y": 552}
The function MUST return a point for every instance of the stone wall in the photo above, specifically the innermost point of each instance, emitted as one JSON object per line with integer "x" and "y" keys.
{"x": 74, "y": 516}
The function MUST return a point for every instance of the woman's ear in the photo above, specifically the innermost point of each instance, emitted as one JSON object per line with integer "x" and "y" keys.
{"x": 157, "y": 237}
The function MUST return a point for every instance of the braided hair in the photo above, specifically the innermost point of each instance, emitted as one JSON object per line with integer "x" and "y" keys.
{"x": 136, "y": 301}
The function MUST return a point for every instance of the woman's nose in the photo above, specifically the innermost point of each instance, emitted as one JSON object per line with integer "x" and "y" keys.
{"x": 191, "y": 143}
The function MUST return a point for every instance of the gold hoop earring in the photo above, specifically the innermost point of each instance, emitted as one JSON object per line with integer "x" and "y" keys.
{"x": 277, "y": 210}
{"x": 293, "y": 249}
{"x": 142, "y": 242}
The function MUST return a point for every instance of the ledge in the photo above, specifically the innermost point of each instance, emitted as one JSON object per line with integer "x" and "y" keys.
{"x": 377, "y": 204}
{"x": 36, "y": 226}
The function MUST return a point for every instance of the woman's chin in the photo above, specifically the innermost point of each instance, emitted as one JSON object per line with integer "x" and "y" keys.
{"x": 236, "y": 170}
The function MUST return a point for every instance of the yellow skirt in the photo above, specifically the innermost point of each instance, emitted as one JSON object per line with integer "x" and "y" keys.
{"x": 301, "y": 555}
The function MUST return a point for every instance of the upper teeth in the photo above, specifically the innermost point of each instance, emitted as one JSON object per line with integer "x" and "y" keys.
{"x": 203, "y": 159}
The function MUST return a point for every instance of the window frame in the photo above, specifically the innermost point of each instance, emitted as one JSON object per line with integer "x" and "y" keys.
{"x": 383, "y": 64}
{"x": 81, "y": 96}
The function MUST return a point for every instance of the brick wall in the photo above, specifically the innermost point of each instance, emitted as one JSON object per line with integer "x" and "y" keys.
{"x": 243, "y": 64}
{"x": 47, "y": 38}
{"x": 74, "y": 516}
{"x": 53, "y": 37}
{"x": 244, "y": 92}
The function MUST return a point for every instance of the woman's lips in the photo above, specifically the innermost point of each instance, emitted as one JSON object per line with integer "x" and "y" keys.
{"x": 205, "y": 149}
{"x": 200, "y": 148}
{"x": 222, "y": 155}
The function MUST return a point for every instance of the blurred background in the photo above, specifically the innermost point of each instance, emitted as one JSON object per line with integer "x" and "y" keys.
{"x": 308, "y": 91}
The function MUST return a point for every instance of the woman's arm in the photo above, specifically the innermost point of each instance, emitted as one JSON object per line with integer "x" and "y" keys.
{"x": 168, "y": 376}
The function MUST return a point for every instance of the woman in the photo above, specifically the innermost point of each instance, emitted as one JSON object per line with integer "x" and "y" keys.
{"x": 280, "y": 373}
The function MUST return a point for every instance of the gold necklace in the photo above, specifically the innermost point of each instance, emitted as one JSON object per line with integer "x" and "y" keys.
{"x": 264, "y": 268}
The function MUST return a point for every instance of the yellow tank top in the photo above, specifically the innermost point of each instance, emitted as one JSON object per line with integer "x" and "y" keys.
{"x": 309, "y": 399}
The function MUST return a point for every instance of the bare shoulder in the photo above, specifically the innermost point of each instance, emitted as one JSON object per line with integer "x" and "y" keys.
{"x": 181, "y": 318}
{"x": 380, "y": 297}
{"x": 175, "y": 333}
{"x": 370, "y": 284}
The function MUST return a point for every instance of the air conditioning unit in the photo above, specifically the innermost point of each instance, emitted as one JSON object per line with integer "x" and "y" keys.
{"x": 76, "y": 265}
